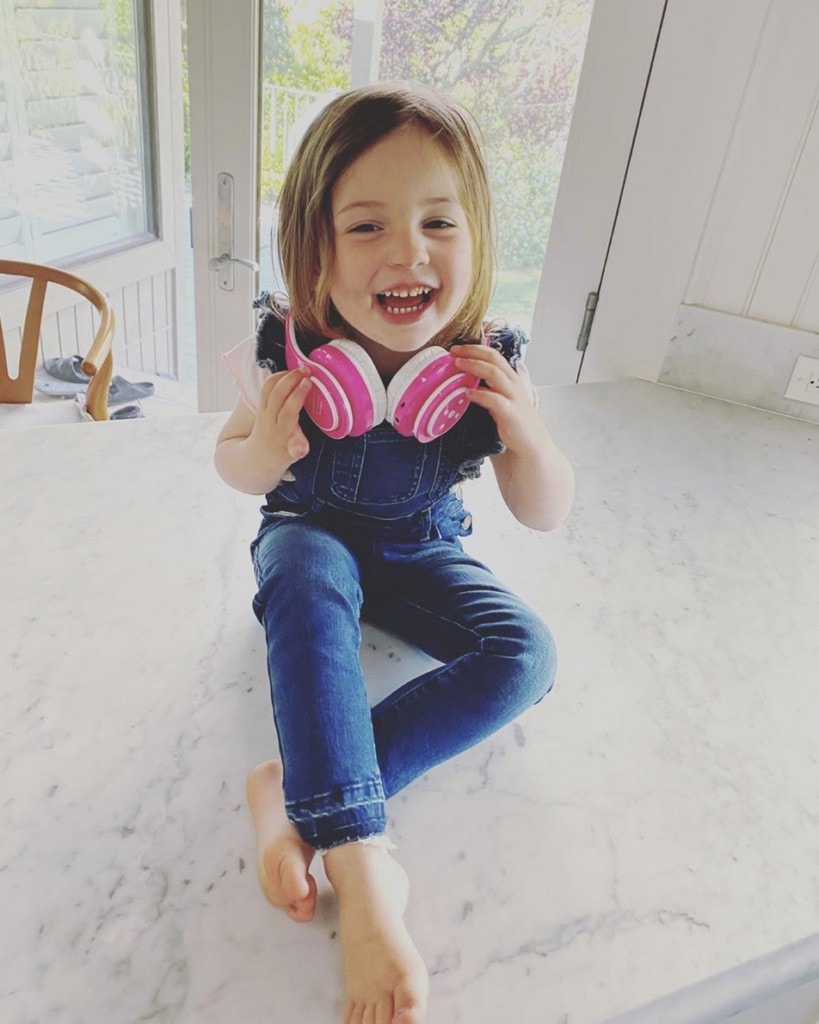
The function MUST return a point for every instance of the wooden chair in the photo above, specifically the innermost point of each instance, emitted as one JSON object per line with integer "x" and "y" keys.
{"x": 98, "y": 361}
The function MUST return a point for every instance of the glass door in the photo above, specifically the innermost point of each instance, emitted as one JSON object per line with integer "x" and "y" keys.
{"x": 515, "y": 63}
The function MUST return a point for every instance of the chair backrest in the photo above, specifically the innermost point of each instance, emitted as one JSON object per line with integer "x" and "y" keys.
{"x": 98, "y": 361}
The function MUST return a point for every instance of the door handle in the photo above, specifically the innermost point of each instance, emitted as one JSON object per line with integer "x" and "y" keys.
{"x": 217, "y": 262}
{"x": 223, "y": 264}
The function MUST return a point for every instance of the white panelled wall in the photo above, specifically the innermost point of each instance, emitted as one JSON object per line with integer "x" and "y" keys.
{"x": 758, "y": 253}
{"x": 752, "y": 302}
{"x": 713, "y": 277}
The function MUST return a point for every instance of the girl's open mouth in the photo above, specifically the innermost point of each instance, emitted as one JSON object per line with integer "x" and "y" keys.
{"x": 405, "y": 301}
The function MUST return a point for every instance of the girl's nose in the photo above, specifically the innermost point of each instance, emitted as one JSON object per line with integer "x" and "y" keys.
{"x": 408, "y": 249}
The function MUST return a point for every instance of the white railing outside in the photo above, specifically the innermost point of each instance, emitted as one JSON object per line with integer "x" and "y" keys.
{"x": 286, "y": 114}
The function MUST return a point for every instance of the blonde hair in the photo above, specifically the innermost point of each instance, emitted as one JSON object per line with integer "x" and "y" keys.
{"x": 345, "y": 129}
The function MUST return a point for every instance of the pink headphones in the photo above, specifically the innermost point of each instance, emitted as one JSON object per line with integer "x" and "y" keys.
{"x": 424, "y": 399}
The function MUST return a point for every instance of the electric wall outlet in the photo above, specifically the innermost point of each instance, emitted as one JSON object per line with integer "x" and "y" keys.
{"x": 804, "y": 382}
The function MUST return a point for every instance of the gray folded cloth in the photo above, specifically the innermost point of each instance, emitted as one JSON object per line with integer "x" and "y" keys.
{"x": 71, "y": 381}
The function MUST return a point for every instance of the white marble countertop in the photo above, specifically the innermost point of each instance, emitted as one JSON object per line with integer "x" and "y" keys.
{"x": 654, "y": 822}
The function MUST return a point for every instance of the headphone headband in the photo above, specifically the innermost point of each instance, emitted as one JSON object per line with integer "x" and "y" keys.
{"x": 426, "y": 397}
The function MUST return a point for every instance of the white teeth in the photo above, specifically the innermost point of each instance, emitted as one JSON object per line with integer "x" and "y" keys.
{"x": 421, "y": 292}
{"x": 405, "y": 293}
{"x": 404, "y": 309}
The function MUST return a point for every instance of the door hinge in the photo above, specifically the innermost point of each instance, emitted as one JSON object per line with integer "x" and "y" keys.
{"x": 588, "y": 320}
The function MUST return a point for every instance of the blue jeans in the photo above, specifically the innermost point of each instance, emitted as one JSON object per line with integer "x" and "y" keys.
{"x": 342, "y": 759}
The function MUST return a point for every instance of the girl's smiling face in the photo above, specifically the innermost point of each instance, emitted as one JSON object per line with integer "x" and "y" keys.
{"x": 402, "y": 245}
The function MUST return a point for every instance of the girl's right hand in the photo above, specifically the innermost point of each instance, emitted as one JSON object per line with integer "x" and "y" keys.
{"x": 276, "y": 434}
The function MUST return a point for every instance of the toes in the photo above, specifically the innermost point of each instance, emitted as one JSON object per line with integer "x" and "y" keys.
{"x": 294, "y": 881}
{"x": 305, "y": 909}
{"x": 408, "y": 1010}
{"x": 301, "y": 912}
{"x": 405, "y": 1010}
{"x": 288, "y": 885}
{"x": 408, "y": 1015}
{"x": 383, "y": 1012}
{"x": 352, "y": 1014}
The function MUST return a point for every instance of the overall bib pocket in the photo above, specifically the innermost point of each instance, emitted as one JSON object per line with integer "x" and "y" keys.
{"x": 382, "y": 468}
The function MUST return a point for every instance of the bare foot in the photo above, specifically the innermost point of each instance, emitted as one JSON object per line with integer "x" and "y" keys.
{"x": 283, "y": 858}
{"x": 386, "y": 981}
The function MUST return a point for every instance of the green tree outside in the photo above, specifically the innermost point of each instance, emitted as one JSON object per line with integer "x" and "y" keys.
{"x": 514, "y": 63}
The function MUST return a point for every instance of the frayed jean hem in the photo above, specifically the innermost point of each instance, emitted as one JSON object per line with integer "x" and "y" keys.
{"x": 380, "y": 839}
{"x": 351, "y": 814}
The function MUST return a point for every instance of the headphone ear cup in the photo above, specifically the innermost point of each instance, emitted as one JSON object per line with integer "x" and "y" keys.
{"x": 358, "y": 381}
{"x": 428, "y": 395}
{"x": 347, "y": 397}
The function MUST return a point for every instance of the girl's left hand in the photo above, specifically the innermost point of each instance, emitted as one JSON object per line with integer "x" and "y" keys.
{"x": 506, "y": 396}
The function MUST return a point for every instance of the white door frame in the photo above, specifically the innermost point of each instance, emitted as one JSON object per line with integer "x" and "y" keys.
{"x": 224, "y": 90}
{"x": 619, "y": 49}
{"x": 223, "y": 74}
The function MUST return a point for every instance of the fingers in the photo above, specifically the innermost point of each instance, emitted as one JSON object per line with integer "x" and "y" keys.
{"x": 292, "y": 402}
{"x": 483, "y": 356}
{"x": 489, "y": 365}
{"x": 287, "y": 385}
{"x": 283, "y": 395}
{"x": 505, "y": 395}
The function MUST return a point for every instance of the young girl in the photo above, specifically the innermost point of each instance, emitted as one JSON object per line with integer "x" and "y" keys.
{"x": 363, "y": 402}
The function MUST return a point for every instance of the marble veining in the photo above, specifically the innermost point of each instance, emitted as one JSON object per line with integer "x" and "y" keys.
{"x": 652, "y": 823}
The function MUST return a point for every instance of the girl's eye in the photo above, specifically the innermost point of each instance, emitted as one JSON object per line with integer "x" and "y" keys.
{"x": 439, "y": 222}
{"x": 364, "y": 227}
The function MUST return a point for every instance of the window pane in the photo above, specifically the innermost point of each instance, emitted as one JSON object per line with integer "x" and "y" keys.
{"x": 73, "y": 128}
{"x": 514, "y": 63}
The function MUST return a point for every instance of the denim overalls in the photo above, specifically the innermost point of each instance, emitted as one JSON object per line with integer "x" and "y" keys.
{"x": 369, "y": 527}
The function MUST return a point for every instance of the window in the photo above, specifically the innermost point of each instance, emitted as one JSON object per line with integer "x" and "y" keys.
{"x": 75, "y": 128}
